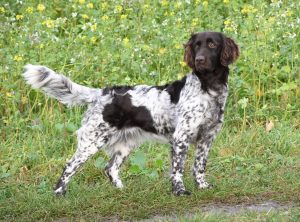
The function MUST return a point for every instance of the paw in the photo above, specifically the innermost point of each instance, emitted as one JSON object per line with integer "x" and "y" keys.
{"x": 205, "y": 185}
{"x": 179, "y": 190}
{"x": 115, "y": 181}
{"x": 60, "y": 191}
{"x": 60, "y": 188}
{"x": 118, "y": 184}
{"x": 182, "y": 192}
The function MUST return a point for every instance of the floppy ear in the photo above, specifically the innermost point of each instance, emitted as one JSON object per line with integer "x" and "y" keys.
{"x": 189, "y": 57}
{"x": 230, "y": 52}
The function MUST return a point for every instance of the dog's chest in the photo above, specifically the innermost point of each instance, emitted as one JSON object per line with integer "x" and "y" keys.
{"x": 204, "y": 106}
{"x": 201, "y": 110}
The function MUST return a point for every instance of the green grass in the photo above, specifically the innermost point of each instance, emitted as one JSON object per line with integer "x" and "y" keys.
{"x": 246, "y": 167}
{"x": 141, "y": 43}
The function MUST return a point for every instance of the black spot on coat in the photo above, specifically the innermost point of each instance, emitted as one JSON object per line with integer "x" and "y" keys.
{"x": 122, "y": 114}
{"x": 174, "y": 89}
{"x": 117, "y": 89}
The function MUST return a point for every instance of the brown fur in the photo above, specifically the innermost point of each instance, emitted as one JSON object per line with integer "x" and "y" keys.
{"x": 230, "y": 52}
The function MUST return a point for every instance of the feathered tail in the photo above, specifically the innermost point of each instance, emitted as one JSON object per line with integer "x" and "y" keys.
{"x": 58, "y": 86}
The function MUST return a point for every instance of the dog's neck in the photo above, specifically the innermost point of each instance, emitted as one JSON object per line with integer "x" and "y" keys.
{"x": 213, "y": 80}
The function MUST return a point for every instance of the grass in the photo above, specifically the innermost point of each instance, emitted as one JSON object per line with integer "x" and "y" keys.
{"x": 127, "y": 42}
{"x": 251, "y": 166}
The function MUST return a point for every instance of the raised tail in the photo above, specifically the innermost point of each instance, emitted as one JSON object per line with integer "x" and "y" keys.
{"x": 58, "y": 86}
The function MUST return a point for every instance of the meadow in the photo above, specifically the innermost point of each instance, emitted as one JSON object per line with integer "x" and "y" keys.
{"x": 255, "y": 158}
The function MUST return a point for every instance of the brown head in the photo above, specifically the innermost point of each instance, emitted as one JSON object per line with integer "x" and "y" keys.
{"x": 208, "y": 51}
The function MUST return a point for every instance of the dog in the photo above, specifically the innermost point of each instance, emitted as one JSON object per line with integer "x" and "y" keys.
{"x": 118, "y": 119}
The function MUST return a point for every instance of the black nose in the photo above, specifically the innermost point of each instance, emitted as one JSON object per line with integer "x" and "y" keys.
{"x": 200, "y": 59}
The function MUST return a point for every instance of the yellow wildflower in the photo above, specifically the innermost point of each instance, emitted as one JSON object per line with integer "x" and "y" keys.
{"x": 182, "y": 63}
{"x": 104, "y": 5}
{"x": 146, "y": 47}
{"x": 205, "y": 4}
{"x": 178, "y": 46}
{"x": 289, "y": 13}
{"x": 29, "y": 10}
{"x": 104, "y": 17}
{"x": 179, "y": 22}
{"x": 248, "y": 9}
{"x": 195, "y": 21}
{"x": 19, "y": 17}
{"x": 90, "y": 5}
{"x": 118, "y": 8}
{"x": 178, "y": 5}
{"x": 18, "y": 58}
{"x": 126, "y": 42}
{"x": 8, "y": 94}
{"x": 49, "y": 23}
{"x": 124, "y": 16}
{"x": 227, "y": 22}
{"x": 81, "y": 2}
{"x": 230, "y": 26}
{"x": 145, "y": 7}
{"x": 164, "y": 2}
{"x": 41, "y": 46}
{"x": 2, "y": 9}
{"x": 93, "y": 39}
{"x": 225, "y": 1}
{"x": 276, "y": 54}
{"x": 162, "y": 51}
{"x": 94, "y": 27}
{"x": 41, "y": 7}
{"x": 84, "y": 16}
{"x": 180, "y": 75}
{"x": 271, "y": 19}
{"x": 24, "y": 99}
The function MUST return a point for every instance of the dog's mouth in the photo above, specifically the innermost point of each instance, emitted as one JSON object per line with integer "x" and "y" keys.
{"x": 204, "y": 68}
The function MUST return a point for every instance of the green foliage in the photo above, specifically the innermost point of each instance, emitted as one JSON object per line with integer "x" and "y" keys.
{"x": 120, "y": 42}
{"x": 100, "y": 163}
{"x": 103, "y": 43}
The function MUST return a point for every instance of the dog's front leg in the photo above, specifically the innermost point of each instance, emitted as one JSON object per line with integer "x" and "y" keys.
{"x": 200, "y": 164}
{"x": 179, "y": 150}
{"x": 202, "y": 150}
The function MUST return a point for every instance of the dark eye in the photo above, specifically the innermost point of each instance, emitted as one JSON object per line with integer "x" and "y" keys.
{"x": 212, "y": 45}
{"x": 198, "y": 43}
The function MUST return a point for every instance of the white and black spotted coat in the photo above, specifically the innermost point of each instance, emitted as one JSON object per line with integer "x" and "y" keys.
{"x": 118, "y": 119}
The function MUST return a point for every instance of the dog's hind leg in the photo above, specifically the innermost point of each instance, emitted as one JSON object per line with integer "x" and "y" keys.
{"x": 120, "y": 153}
{"x": 89, "y": 143}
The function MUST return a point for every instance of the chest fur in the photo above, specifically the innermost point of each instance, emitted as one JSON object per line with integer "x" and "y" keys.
{"x": 203, "y": 103}
{"x": 199, "y": 110}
